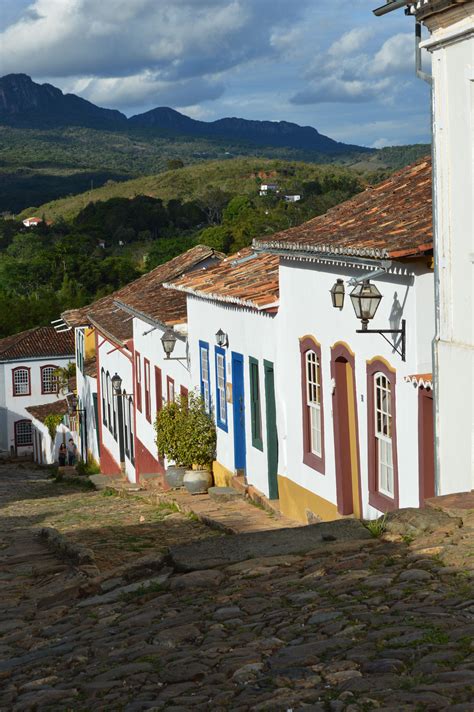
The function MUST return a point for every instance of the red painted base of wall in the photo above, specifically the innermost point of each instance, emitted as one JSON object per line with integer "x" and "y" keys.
{"x": 108, "y": 466}
{"x": 145, "y": 462}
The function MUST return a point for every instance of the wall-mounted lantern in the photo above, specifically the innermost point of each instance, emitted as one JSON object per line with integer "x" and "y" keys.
{"x": 338, "y": 293}
{"x": 169, "y": 340}
{"x": 365, "y": 299}
{"x": 117, "y": 384}
{"x": 222, "y": 339}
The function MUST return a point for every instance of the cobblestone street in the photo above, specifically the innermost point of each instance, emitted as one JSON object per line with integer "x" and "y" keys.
{"x": 168, "y": 614}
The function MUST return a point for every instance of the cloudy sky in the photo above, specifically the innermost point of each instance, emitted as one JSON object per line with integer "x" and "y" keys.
{"x": 332, "y": 65}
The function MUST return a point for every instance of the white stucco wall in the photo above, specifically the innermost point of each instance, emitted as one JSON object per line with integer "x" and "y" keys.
{"x": 86, "y": 388}
{"x": 452, "y": 47}
{"x": 45, "y": 451}
{"x": 250, "y": 334}
{"x": 147, "y": 343}
{"x": 14, "y": 407}
{"x": 115, "y": 360}
{"x": 305, "y": 309}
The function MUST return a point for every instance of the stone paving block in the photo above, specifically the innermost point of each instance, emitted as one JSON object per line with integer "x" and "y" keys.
{"x": 298, "y": 540}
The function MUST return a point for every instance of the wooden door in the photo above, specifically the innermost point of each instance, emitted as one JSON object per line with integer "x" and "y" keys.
{"x": 426, "y": 444}
{"x": 272, "y": 436}
{"x": 346, "y": 439}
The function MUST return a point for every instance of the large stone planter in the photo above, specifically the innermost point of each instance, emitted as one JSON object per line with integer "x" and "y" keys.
{"x": 174, "y": 476}
{"x": 197, "y": 481}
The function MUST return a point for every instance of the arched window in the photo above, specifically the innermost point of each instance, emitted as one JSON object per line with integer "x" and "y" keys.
{"x": 21, "y": 381}
{"x": 382, "y": 445}
{"x": 49, "y": 382}
{"x": 312, "y": 404}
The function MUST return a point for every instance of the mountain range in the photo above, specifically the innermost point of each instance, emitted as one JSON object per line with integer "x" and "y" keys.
{"x": 26, "y": 104}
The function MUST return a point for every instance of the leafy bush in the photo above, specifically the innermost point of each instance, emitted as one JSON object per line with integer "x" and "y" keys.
{"x": 185, "y": 433}
{"x": 198, "y": 434}
{"x": 168, "y": 427}
{"x": 52, "y": 421}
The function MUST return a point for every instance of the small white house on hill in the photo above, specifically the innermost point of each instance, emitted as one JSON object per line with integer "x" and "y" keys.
{"x": 27, "y": 364}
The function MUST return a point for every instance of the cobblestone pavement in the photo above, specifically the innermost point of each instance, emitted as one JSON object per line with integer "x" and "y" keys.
{"x": 381, "y": 623}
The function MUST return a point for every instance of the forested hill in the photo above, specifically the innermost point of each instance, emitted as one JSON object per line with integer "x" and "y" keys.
{"x": 93, "y": 248}
{"x": 239, "y": 176}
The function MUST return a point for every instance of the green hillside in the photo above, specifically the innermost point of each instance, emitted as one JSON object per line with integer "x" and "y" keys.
{"x": 41, "y": 165}
{"x": 240, "y": 176}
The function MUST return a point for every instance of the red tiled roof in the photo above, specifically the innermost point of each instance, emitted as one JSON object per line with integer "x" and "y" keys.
{"x": 143, "y": 295}
{"x": 391, "y": 220}
{"x": 246, "y": 278}
{"x": 41, "y": 341}
{"x": 40, "y": 412}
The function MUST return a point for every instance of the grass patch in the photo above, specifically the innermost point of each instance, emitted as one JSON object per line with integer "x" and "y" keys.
{"x": 376, "y": 526}
{"x": 436, "y": 636}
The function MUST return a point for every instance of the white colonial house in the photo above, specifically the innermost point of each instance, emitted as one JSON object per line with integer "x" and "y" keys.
{"x": 118, "y": 342}
{"x": 27, "y": 364}
{"x": 232, "y": 340}
{"x": 318, "y": 416}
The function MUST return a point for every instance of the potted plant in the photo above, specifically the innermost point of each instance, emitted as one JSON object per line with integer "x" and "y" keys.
{"x": 197, "y": 444}
{"x": 167, "y": 426}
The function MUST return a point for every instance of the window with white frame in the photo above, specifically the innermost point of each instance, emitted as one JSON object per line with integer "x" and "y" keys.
{"x": 205, "y": 389}
{"x": 313, "y": 401}
{"x": 221, "y": 414}
{"x": 131, "y": 428}
{"x": 21, "y": 382}
{"x": 23, "y": 433}
{"x": 49, "y": 382}
{"x": 383, "y": 434}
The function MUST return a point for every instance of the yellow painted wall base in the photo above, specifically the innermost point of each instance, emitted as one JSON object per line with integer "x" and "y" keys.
{"x": 222, "y": 476}
{"x": 297, "y": 501}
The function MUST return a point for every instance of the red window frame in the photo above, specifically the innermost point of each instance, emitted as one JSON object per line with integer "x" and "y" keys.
{"x": 42, "y": 369}
{"x": 158, "y": 389}
{"x": 316, "y": 462}
{"x": 21, "y": 368}
{"x": 15, "y": 426}
{"x": 184, "y": 394}
{"x": 138, "y": 381}
{"x": 169, "y": 386}
{"x": 377, "y": 499}
{"x": 146, "y": 369}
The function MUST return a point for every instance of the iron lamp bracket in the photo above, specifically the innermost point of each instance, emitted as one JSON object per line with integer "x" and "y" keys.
{"x": 401, "y": 332}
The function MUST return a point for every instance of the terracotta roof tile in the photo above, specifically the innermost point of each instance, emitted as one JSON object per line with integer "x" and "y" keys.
{"x": 90, "y": 367}
{"x": 246, "y": 278}
{"x": 393, "y": 219}
{"x": 41, "y": 341}
{"x": 40, "y": 412}
{"x": 143, "y": 295}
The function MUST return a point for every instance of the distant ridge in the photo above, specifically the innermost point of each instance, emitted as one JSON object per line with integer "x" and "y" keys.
{"x": 26, "y": 104}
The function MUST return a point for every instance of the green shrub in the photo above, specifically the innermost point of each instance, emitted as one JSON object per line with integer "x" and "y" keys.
{"x": 185, "y": 433}
{"x": 168, "y": 425}
{"x": 52, "y": 421}
{"x": 198, "y": 434}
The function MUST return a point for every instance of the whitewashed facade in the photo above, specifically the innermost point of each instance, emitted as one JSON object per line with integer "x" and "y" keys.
{"x": 23, "y": 383}
{"x": 306, "y": 311}
{"x": 451, "y": 44}
{"x": 251, "y": 335}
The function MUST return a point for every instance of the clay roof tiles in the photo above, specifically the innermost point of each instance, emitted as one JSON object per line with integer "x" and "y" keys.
{"x": 144, "y": 295}
{"x": 40, "y": 412}
{"x": 246, "y": 278}
{"x": 391, "y": 220}
{"x": 41, "y": 341}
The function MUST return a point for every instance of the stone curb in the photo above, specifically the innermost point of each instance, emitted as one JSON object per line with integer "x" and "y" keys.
{"x": 79, "y": 555}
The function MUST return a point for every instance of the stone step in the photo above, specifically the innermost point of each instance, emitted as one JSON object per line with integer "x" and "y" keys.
{"x": 224, "y": 494}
